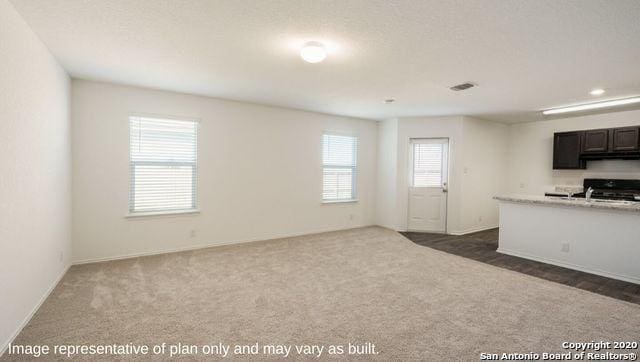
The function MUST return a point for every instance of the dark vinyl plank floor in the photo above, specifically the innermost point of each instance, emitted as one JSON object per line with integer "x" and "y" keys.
{"x": 481, "y": 246}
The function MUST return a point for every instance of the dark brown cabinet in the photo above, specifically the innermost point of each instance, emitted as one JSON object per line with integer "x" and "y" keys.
{"x": 625, "y": 139}
{"x": 572, "y": 150}
{"x": 566, "y": 151}
{"x": 595, "y": 141}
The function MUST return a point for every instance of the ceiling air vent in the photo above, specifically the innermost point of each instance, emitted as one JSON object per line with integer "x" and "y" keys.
{"x": 462, "y": 86}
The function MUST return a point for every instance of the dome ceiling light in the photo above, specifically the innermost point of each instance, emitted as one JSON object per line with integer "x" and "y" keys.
{"x": 313, "y": 52}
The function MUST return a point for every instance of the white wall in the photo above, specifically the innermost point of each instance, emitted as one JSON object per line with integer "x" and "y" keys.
{"x": 387, "y": 177}
{"x": 260, "y": 173}
{"x": 531, "y": 153}
{"x": 35, "y": 187}
{"x": 484, "y": 170}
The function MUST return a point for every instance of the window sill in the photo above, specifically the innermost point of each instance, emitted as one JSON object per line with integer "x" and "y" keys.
{"x": 339, "y": 201}
{"x": 161, "y": 213}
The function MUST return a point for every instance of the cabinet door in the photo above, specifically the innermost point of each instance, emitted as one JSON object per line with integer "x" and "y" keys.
{"x": 566, "y": 151}
{"x": 595, "y": 141}
{"x": 625, "y": 139}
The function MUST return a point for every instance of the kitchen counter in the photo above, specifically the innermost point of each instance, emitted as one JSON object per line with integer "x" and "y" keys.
{"x": 595, "y": 237}
{"x": 629, "y": 206}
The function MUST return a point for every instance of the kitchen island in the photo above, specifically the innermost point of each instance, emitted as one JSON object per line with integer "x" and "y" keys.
{"x": 599, "y": 237}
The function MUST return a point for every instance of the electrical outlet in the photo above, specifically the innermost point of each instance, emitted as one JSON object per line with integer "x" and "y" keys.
{"x": 565, "y": 247}
{"x": 521, "y": 185}
{"x": 351, "y": 217}
{"x": 479, "y": 218}
{"x": 192, "y": 233}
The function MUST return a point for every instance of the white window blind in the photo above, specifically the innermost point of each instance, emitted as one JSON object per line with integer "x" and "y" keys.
{"x": 162, "y": 165}
{"x": 339, "y": 155}
{"x": 429, "y": 162}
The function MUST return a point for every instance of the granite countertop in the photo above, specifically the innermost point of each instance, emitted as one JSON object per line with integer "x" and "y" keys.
{"x": 560, "y": 201}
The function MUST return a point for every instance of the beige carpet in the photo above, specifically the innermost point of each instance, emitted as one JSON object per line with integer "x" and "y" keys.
{"x": 362, "y": 285}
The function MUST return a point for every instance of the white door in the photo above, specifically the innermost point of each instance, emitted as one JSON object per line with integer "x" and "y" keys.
{"x": 428, "y": 185}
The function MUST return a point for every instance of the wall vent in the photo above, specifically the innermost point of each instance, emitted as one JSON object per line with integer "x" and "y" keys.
{"x": 462, "y": 86}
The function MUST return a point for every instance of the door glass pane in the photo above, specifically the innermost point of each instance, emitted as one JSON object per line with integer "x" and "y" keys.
{"x": 427, "y": 164}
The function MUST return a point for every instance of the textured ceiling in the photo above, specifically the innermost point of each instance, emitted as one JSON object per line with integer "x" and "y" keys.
{"x": 524, "y": 55}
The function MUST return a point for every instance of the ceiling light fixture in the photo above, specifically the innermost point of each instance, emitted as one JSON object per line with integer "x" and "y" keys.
{"x": 597, "y": 92}
{"x": 388, "y": 101}
{"x": 588, "y": 106}
{"x": 313, "y": 52}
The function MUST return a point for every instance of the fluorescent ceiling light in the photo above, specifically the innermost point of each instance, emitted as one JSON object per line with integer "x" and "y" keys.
{"x": 588, "y": 106}
{"x": 597, "y": 92}
{"x": 313, "y": 52}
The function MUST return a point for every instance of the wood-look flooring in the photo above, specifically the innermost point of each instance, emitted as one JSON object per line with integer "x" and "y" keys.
{"x": 481, "y": 246}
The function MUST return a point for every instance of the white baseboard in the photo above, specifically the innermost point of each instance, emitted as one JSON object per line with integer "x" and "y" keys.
{"x": 5, "y": 344}
{"x": 214, "y": 244}
{"x": 390, "y": 227}
{"x": 456, "y": 233}
{"x": 626, "y": 278}
{"x": 473, "y": 230}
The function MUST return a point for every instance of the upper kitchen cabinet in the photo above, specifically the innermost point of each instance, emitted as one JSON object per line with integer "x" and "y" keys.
{"x": 571, "y": 150}
{"x": 626, "y": 139}
{"x": 595, "y": 141}
{"x": 566, "y": 151}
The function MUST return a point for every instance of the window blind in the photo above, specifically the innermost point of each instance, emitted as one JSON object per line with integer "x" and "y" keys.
{"x": 428, "y": 164}
{"x": 339, "y": 155}
{"x": 162, "y": 164}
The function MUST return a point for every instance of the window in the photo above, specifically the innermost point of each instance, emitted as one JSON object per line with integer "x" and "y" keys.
{"x": 339, "y": 155}
{"x": 429, "y": 162}
{"x": 162, "y": 165}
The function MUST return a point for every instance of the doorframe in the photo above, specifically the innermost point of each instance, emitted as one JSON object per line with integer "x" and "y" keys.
{"x": 410, "y": 181}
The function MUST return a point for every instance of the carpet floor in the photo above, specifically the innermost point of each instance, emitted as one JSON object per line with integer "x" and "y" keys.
{"x": 368, "y": 285}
